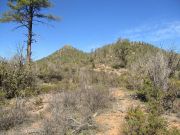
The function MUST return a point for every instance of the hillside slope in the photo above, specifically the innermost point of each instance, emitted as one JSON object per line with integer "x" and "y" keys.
{"x": 67, "y": 54}
{"x": 119, "y": 54}
{"x": 123, "y": 52}
{"x": 63, "y": 60}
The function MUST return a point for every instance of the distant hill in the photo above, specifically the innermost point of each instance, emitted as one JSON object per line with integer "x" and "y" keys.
{"x": 123, "y": 52}
{"x": 117, "y": 55}
{"x": 63, "y": 60}
{"x": 67, "y": 54}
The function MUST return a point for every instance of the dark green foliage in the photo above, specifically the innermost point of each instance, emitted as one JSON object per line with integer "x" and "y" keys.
{"x": 25, "y": 13}
{"x": 50, "y": 77}
{"x": 160, "y": 100}
{"x": 66, "y": 55}
{"x": 15, "y": 79}
{"x": 61, "y": 64}
{"x": 140, "y": 123}
{"x": 122, "y": 53}
{"x": 156, "y": 125}
{"x": 20, "y": 9}
{"x": 148, "y": 92}
{"x": 135, "y": 122}
{"x": 145, "y": 93}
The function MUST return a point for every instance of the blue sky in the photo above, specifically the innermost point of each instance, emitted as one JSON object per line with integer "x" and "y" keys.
{"x": 88, "y": 24}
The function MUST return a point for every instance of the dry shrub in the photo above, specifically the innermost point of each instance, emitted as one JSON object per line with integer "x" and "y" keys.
{"x": 151, "y": 76}
{"x": 158, "y": 71}
{"x": 171, "y": 96}
{"x": 72, "y": 111}
{"x": 12, "y": 117}
{"x": 95, "y": 98}
{"x": 88, "y": 77}
{"x": 57, "y": 123}
{"x": 154, "y": 67}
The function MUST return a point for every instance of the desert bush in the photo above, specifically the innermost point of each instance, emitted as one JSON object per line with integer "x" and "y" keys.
{"x": 135, "y": 122}
{"x": 64, "y": 117}
{"x": 148, "y": 93}
{"x": 138, "y": 72}
{"x": 121, "y": 51}
{"x": 57, "y": 124}
{"x": 164, "y": 100}
{"x": 133, "y": 81}
{"x": 171, "y": 95}
{"x": 140, "y": 123}
{"x": 156, "y": 125}
{"x": 173, "y": 62}
{"x": 91, "y": 99}
{"x": 96, "y": 98}
{"x": 158, "y": 89}
{"x": 88, "y": 77}
{"x": 72, "y": 111}
{"x": 50, "y": 77}
{"x": 158, "y": 71}
{"x": 16, "y": 77}
{"x": 13, "y": 116}
{"x": 151, "y": 77}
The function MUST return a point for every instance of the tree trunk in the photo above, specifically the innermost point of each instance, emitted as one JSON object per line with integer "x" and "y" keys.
{"x": 29, "y": 42}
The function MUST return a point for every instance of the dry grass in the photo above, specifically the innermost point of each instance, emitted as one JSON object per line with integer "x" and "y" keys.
{"x": 12, "y": 117}
{"x": 72, "y": 112}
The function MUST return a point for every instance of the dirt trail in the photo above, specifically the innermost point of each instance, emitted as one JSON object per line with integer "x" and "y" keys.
{"x": 109, "y": 122}
{"x": 112, "y": 122}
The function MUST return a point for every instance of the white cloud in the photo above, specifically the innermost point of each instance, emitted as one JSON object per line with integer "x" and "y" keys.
{"x": 154, "y": 32}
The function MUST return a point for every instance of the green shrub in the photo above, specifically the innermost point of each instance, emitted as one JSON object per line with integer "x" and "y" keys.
{"x": 155, "y": 107}
{"x": 171, "y": 95}
{"x": 140, "y": 123}
{"x": 135, "y": 122}
{"x": 15, "y": 78}
{"x": 149, "y": 92}
{"x": 156, "y": 125}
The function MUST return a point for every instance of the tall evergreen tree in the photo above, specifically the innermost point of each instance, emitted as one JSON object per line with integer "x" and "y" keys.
{"x": 25, "y": 13}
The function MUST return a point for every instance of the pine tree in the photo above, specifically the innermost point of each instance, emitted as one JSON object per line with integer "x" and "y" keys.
{"x": 25, "y": 13}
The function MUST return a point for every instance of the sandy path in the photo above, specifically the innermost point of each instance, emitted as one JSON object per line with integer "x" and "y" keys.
{"x": 112, "y": 122}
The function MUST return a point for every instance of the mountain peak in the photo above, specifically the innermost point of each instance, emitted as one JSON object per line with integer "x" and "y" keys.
{"x": 68, "y": 47}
